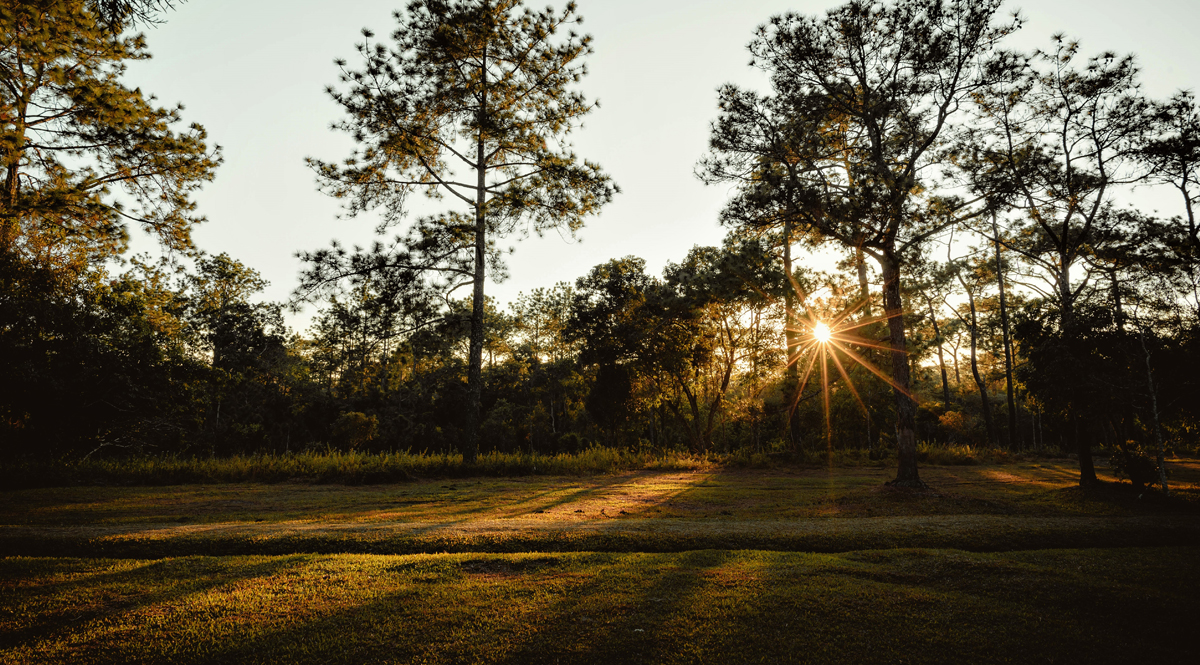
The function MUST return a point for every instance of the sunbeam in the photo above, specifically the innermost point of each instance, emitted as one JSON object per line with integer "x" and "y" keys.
{"x": 823, "y": 340}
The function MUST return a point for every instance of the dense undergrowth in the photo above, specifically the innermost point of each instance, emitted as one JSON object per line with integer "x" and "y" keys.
{"x": 356, "y": 468}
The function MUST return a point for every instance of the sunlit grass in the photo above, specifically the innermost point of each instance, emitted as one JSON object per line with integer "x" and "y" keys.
{"x": 983, "y": 507}
{"x": 664, "y": 566}
{"x": 917, "y": 606}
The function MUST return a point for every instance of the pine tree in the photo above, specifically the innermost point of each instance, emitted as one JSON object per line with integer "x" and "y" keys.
{"x": 863, "y": 100}
{"x": 82, "y": 155}
{"x": 473, "y": 101}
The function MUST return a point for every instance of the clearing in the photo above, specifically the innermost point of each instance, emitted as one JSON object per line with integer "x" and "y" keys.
{"x": 1003, "y": 563}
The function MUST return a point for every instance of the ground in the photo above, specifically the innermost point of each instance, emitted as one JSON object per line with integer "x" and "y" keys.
{"x": 1003, "y": 563}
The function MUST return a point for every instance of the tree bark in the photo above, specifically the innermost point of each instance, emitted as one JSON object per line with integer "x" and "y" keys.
{"x": 475, "y": 352}
{"x": 1014, "y": 438}
{"x": 985, "y": 401}
{"x": 906, "y": 410}
{"x": 9, "y": 222}
{"x": 937, "y": 334}
{"x": 1160, "y": 452}
{"x": 864, "y": 289}
{"x": 791, "y": 339}
{"x": 1083, "y": 445}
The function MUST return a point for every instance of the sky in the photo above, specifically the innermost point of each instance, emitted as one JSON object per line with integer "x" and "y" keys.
{"x": 253, "y": 73}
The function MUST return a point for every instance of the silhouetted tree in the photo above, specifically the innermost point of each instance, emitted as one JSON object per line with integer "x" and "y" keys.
{"x": 117, "y": 14}
{"x": 1060, "y": 141}
{"x": 865, "y": 96}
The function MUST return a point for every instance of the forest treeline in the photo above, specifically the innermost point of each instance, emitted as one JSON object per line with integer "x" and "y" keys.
{"x": 995, "y": 287}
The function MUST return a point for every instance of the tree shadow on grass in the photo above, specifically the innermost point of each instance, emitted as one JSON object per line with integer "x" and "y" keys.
{"x": 884, "y": 606}
{"x": 524, "y": 609}
{"x": 598, "y": 625}
{"x": 593, "y": 489}
{"x": 122, "y": 591}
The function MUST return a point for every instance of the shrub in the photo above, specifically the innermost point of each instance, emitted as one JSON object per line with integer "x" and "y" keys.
{"x": 354, "y": 429}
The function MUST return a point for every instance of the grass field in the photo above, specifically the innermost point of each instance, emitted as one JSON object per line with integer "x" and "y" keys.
{"x": 995, "y": 563}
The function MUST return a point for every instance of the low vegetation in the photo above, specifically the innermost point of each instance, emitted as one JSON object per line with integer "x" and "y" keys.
{"x": 365, "y": 468}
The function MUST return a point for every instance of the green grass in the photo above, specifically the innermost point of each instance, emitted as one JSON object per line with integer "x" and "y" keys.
{"x": 912, "y": 606}
{"x": 978, "y": 508}
{"x": 711, "y": 563}
{"x": 333, "y": 467}
{"x": 359, "y": 468}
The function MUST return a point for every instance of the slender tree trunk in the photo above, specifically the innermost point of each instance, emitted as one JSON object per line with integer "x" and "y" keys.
{"x": 864, "y": 289}
{"x": 1161, "y": 453}
{"x": 906, "y": 409}
{"x": 985, "y": 401}
{"x": 1118, "y": 305}
{"x": 1014, "y": 438}
{"x": 791, "y": 338}
{"x": 1083, "y": 444}
{"x": 8, "y": 216}
{"x": 957, "y": 367}
{"x": 475, "y": 353}
{"x": 937, "y": 335}
{"x": 9, "y": 221}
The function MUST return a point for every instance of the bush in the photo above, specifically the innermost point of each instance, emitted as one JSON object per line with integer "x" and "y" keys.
{"x": 1130, "y": 462}
{"x": 354, "y": 429}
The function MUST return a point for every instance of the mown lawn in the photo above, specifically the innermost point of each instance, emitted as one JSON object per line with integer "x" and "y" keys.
{"x": 1125, "y": 605}
{"x": 979, "y": 508}
{"x": 995, "y": 563}
{"x": 1031, "y": 488}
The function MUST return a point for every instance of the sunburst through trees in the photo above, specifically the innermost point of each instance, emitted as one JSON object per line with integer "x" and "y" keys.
{"x": 829, "y": 338}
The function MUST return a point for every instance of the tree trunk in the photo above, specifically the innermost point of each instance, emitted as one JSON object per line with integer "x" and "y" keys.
{"x": 1083, "y": 445}
{"x": 985, "y": 401}
{"x": 864, "y": 289}
{"x": 475, "y": 352}
{"x": 957, "y": 368}
{"x": 791, "y": 339}
{"x": 1014, "y": 439}
{"x": 906, "y": 409}
{"x": 8, "y": 217}
{"x": 973, "y": 329}
{"x": 937, "y": 335}
{"x": 1160, "y": 452}
{"x": 1118, "y": 306}
{"x": 9, "y": 221}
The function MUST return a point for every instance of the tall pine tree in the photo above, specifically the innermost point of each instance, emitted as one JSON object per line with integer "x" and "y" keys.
{"x": 473, "y": 100}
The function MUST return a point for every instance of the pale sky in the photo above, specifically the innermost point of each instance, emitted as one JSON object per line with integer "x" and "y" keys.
{"x": 253, "y": 73}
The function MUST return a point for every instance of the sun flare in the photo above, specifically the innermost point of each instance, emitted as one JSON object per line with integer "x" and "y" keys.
{"x": 822, "y": 333}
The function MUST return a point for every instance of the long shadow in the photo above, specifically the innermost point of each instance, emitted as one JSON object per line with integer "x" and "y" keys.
{"x": 956, "y": 607}
{"x": 603, "y": 619}
{"x": 169, "y": 580}
{"x": 704, "y": 606}
{"x": 382, "y": 628}
{"x": 580, "y": 494}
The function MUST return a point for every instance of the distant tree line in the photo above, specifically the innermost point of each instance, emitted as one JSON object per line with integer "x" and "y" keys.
{"x": 995, "y": 289}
